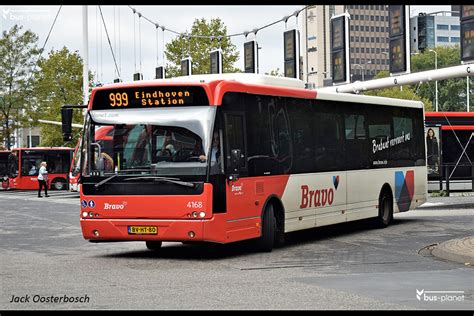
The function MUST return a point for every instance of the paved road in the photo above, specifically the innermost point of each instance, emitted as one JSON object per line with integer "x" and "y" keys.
{"x": 351, "y": 266}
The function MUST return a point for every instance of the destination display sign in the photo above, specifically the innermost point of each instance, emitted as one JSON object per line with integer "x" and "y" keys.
{"x": 149, "y": 97}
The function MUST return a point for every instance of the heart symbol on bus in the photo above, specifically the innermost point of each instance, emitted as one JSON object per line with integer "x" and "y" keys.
{"x": 335, "y": 181}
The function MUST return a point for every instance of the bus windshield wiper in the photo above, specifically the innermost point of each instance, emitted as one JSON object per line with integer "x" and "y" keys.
{"x": 164, "y": 179}
{"x": 97, "y": 185}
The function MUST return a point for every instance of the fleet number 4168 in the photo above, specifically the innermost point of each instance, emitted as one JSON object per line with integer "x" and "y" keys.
{"x": 194, "y": 204}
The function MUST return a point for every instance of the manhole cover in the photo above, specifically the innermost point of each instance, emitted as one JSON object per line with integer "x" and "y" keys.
{"x": 426, "y": 251}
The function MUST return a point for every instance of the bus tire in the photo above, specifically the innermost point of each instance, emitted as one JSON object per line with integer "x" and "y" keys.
{"x": 385, "y": 216}
{"x": 58, "y": 184}
{"x": 266, "y": 241}
{"x": 153, "y": 245}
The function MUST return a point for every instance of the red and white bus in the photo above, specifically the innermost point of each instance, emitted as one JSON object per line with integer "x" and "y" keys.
{"x": 4, "y": 168}
{"x": 224, "y": 158}
{"x": 24, "y": 164}
{"x": 104, "y": 137}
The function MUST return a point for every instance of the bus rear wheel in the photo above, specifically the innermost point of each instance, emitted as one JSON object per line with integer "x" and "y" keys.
{"x": 385, "y": 216}
{"x": 153, "y": 245}
{"x": 266, "y": 241}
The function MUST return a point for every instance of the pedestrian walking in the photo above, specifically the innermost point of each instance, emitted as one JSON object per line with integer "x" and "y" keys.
{"x": 43, "y": 180}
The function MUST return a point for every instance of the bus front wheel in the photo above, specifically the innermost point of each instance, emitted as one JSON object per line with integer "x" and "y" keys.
{"x": 154, "y": 245}
{"x": 266, "y": 241}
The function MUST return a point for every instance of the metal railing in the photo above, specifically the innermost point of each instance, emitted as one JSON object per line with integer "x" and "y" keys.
{"x": 447, "y": 171}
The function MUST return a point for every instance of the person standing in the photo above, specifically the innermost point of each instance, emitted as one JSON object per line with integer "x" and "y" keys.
{"x": 432, "y": 150}
{"x": 43, "y": 180}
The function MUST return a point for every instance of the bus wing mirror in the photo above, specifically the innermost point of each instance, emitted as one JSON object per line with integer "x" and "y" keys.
{"x": 235, "y": 159}
{"x": 101, "y": 164}
{"x": 66, "y": 118}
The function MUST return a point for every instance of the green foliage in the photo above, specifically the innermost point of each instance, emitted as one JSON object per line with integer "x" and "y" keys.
{"x": 58, "y": 82}
{"x": 18, "y": 54}
{"x": 407, "y": 93}
{"x": 451, "y": 92}
{"x": 275, "y": 72}
{"x": 199, "y": 49}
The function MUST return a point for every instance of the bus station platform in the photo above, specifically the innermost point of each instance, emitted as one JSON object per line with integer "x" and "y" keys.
{"x": 459, "y": 250}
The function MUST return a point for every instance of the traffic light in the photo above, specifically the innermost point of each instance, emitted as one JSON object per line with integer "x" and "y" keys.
{"x": 216, "y": 61}
{"x": 340, "y": 49}
{"x": 250, "y": 56}
{"x": 291, "y": 53}
{"x": 160, "y": 72}
{"x": 467, "y": 33}
{"x": 399, "y": 39}
{"x": 186, "y": 67}
{"x": 137, "y": 76}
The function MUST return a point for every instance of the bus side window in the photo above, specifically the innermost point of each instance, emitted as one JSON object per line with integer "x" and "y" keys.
{"x": 235, "y": 125}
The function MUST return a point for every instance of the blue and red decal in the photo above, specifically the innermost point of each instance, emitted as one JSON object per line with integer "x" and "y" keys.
{"x": 335, "y": 181}
{"x": 404, "y": 189}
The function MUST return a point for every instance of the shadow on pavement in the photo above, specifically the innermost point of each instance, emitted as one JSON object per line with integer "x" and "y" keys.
{"x": 212, "y": 251}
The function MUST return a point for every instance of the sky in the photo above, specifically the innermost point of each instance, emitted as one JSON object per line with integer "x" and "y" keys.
{"x": 237, "y": 18}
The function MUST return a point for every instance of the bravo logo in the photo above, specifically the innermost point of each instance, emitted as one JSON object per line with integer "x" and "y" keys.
{"x": 316, "y": 198}
{"x": 121, "y": 206}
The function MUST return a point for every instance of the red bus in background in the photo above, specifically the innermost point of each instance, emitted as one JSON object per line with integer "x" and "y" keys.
{"x": 24, "y": 164}
{"x": 4, "y": 168}
{"x": 104, "y": 137}
{"x": 450, "y": 147}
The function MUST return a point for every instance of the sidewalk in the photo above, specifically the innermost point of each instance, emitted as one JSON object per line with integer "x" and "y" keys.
{"x": 459, "y": 250}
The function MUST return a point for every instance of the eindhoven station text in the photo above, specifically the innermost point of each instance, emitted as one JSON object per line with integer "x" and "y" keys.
{"x": 160, "y": 98}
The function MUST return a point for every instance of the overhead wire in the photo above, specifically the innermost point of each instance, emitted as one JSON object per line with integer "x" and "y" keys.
{"x": 110, "y": 44}
{"x": 140, "y": 40}
{"x": 44, "y": 44}
{"x": 296, "y": 13}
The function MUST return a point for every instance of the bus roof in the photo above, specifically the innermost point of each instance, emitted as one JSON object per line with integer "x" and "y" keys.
{"x": 357, "y": 98}
{"x": 246, "y": 78}
{"x": 291, "y": 87}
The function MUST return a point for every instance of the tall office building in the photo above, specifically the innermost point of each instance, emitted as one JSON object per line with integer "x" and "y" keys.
{"x": 315, "y": 45}
{"x": 369, "y": 44}
{"x": 434, "y": 29}
{"x": 456, "y": 10}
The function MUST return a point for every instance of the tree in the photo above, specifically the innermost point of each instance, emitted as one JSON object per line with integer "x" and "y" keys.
{"x": 18, "y": 54}
{"x": 451, "y": 92}
{"x": 57, "y": 82}
{"x": 199, "y": 48}
{"x": 275, "y": 72}
{"x": 407, "y": 93}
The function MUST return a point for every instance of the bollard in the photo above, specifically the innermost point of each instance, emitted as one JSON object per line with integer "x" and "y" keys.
{"x": 472, "y": 177}
{"x": 440, "y": 178}
{"x": 446, "y": 172}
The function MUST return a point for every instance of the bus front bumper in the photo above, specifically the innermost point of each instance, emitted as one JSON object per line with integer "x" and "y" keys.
{"x": 215, "y": 229}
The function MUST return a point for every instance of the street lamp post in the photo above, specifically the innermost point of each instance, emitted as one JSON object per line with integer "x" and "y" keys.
{"x": 436, "y": 82}
{"x": 363, "y": 70}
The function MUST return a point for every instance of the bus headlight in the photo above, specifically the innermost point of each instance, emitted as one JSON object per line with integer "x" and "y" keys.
{"x": 84, "y": 214}
{"x": 202, "y": 214}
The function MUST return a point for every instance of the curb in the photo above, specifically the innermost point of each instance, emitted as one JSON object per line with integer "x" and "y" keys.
{"x": 458, "y": 250}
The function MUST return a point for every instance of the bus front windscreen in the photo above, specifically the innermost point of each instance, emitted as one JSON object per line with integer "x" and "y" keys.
{"x": 149, "y": 142}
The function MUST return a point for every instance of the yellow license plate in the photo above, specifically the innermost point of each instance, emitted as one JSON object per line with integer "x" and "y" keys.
{"x": 142, "y": 230}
